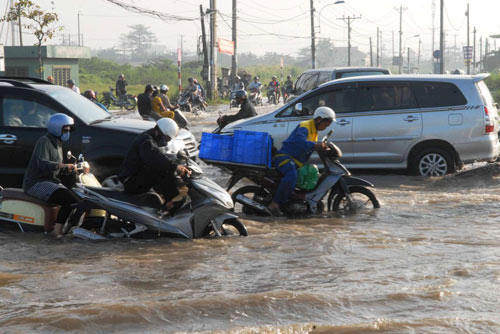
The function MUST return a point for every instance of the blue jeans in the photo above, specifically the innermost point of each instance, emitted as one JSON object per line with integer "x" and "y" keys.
{"x": 287, "y": 182}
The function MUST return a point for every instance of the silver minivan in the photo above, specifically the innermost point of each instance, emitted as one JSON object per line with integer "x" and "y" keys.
{"x": 430, "y": 124}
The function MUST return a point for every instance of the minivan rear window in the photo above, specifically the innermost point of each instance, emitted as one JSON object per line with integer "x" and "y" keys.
{"x": 358, "y": 74}
{"x": 438, "y": 94}
{"x": 485, "y": 93}
{"x": 306, "y": 82}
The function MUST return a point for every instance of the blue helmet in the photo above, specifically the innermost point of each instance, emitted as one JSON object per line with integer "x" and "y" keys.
{"x": 57, "y": 122}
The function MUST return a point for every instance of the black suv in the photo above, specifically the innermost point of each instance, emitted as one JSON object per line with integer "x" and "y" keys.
{"x": 26, "y": 104}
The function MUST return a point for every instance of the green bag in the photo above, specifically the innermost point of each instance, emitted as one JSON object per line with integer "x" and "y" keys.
{"x": 307, "y": 177}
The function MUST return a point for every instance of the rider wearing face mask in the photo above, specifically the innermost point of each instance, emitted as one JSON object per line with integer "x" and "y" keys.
{"x": 40, "y": 179}
{"x": 146, "y": 166}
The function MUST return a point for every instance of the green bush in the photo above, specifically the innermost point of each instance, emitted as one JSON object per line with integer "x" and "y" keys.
{"x": 493, "y": 83}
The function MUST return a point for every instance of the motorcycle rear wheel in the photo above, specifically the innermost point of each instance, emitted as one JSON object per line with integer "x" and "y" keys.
{"x": 258, "y": 194}
{"x": 131, "y": 104}
{"x": 364, "y": 199}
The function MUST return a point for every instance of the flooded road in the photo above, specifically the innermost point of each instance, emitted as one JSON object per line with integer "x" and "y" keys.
{"x": 427, "y": 261}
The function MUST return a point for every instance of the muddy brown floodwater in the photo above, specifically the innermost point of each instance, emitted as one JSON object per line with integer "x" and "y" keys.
{"x": 427, "y": 261}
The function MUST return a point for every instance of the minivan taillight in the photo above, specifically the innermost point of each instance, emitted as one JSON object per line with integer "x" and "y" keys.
{"x": 489, "y": 127}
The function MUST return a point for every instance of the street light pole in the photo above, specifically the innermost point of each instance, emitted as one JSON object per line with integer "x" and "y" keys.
{"x": 313, "y": 42}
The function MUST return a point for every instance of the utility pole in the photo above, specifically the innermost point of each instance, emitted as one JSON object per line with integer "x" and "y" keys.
{"x": 400, "y": 36}
{"x": 409, "y": 61}
{"x": 313, "y": 42}
{"x": 441, "y": 38}
{"x": 433, "y": 23}
{"x": 371, "y": 54}
{"x": 234, "y": 65}
{"x": 378, "y": 45}
{"x": 205, "y": 71}
{"x": 481, "y": 54}
{"x": 418, "y": 57}
{"x": 474, "y": 53}
{"x": 393, "y": 44}
{"x": 13, "y": 26}
{"x": 79, "y": 44}
{"x": 468, "y": 42}
{"x": 213, "y": 51}
{"x": 20, "y": 26}
{"x": 381, "y": 49}
{"x": 349, "y": 19}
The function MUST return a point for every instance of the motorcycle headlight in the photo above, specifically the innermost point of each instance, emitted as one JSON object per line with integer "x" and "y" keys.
{"x": 175, "y": 145}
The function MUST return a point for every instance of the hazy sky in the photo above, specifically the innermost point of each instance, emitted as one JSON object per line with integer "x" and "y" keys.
{"x": 281, "y": 26}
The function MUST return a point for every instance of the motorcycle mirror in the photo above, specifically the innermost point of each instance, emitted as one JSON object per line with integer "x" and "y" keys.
{"x": 325, "y": 138}
{"x": 80, "y": 158}
{"x": 182, "y": 155}
{"x": 68, "y": 155}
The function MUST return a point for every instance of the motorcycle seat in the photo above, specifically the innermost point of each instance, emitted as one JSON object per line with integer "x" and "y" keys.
{"x": 148, "y": 199}
{"x": 19, "y": 194}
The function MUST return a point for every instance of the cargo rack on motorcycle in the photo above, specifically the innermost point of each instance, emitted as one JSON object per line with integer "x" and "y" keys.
{"x": 244, "y": 148}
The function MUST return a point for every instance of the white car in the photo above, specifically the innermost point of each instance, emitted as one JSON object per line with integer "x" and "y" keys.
{"x": 430, "y": 124}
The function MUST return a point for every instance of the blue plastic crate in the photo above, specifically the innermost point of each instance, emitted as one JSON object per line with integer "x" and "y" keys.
{"x": 216, "y": 147}
{"x": 253, "y": 148}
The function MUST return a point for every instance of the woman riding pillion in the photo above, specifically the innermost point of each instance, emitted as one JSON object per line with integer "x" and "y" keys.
{"x": 296, "y": 151}
{"x": 41, "y": 180}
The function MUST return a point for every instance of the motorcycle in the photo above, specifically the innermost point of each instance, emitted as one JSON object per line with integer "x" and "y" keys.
{"x": 128, "y": 101}
{"x": 187, "y": 103}
{"x": 345, "y": 192}
{"x": 272, "y": 95}
{"x": 255, "y": 97}
{"x": 201, "y": 210}
{"x": 30, "y": 213}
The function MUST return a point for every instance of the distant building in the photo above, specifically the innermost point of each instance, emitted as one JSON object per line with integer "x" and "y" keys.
{"x": 492, "y": 61}
{"x": 61, "y": 62}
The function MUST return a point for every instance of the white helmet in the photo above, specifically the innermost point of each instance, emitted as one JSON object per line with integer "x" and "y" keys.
{"x": 324, "y": 113}
{"x": 164, "y": 88}
{"x": 168, "y": 127}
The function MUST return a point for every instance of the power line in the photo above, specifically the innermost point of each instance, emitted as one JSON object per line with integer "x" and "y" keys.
{"x": 161, "y": 16}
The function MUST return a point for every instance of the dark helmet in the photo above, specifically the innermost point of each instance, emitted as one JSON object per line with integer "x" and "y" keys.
{"x": 237, "y": 77}
{"x": 289, "y": 76}
{"x": 89, "y": 94}
{"x": 148, "y": 88}
{"x": 190, "y": 80}
{"x": 256, "y": 78}
{"x": 241, "y": 95}
{"x": 70, "y": 82}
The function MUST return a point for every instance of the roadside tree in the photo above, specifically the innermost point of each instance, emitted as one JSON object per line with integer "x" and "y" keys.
{"x": 40, "y": 23}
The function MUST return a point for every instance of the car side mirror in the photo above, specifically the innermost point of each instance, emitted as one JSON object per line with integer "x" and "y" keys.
{"x": 298, "y": 108}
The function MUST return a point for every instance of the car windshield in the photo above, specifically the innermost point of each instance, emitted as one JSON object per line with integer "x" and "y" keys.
{"x": 81, "y": 107}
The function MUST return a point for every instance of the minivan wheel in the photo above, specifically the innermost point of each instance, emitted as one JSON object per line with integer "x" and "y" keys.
{"x": 434, "y": 162}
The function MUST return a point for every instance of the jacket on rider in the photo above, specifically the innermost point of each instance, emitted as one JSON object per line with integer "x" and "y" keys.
{"x": 145, "y": 106}
{"x": 300, "y": 143}
{"x": 247, "y": 110}
{"x": 121, "y": 87}
{"x": 146, "y": 166}
{"x": 296, "y": 150}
